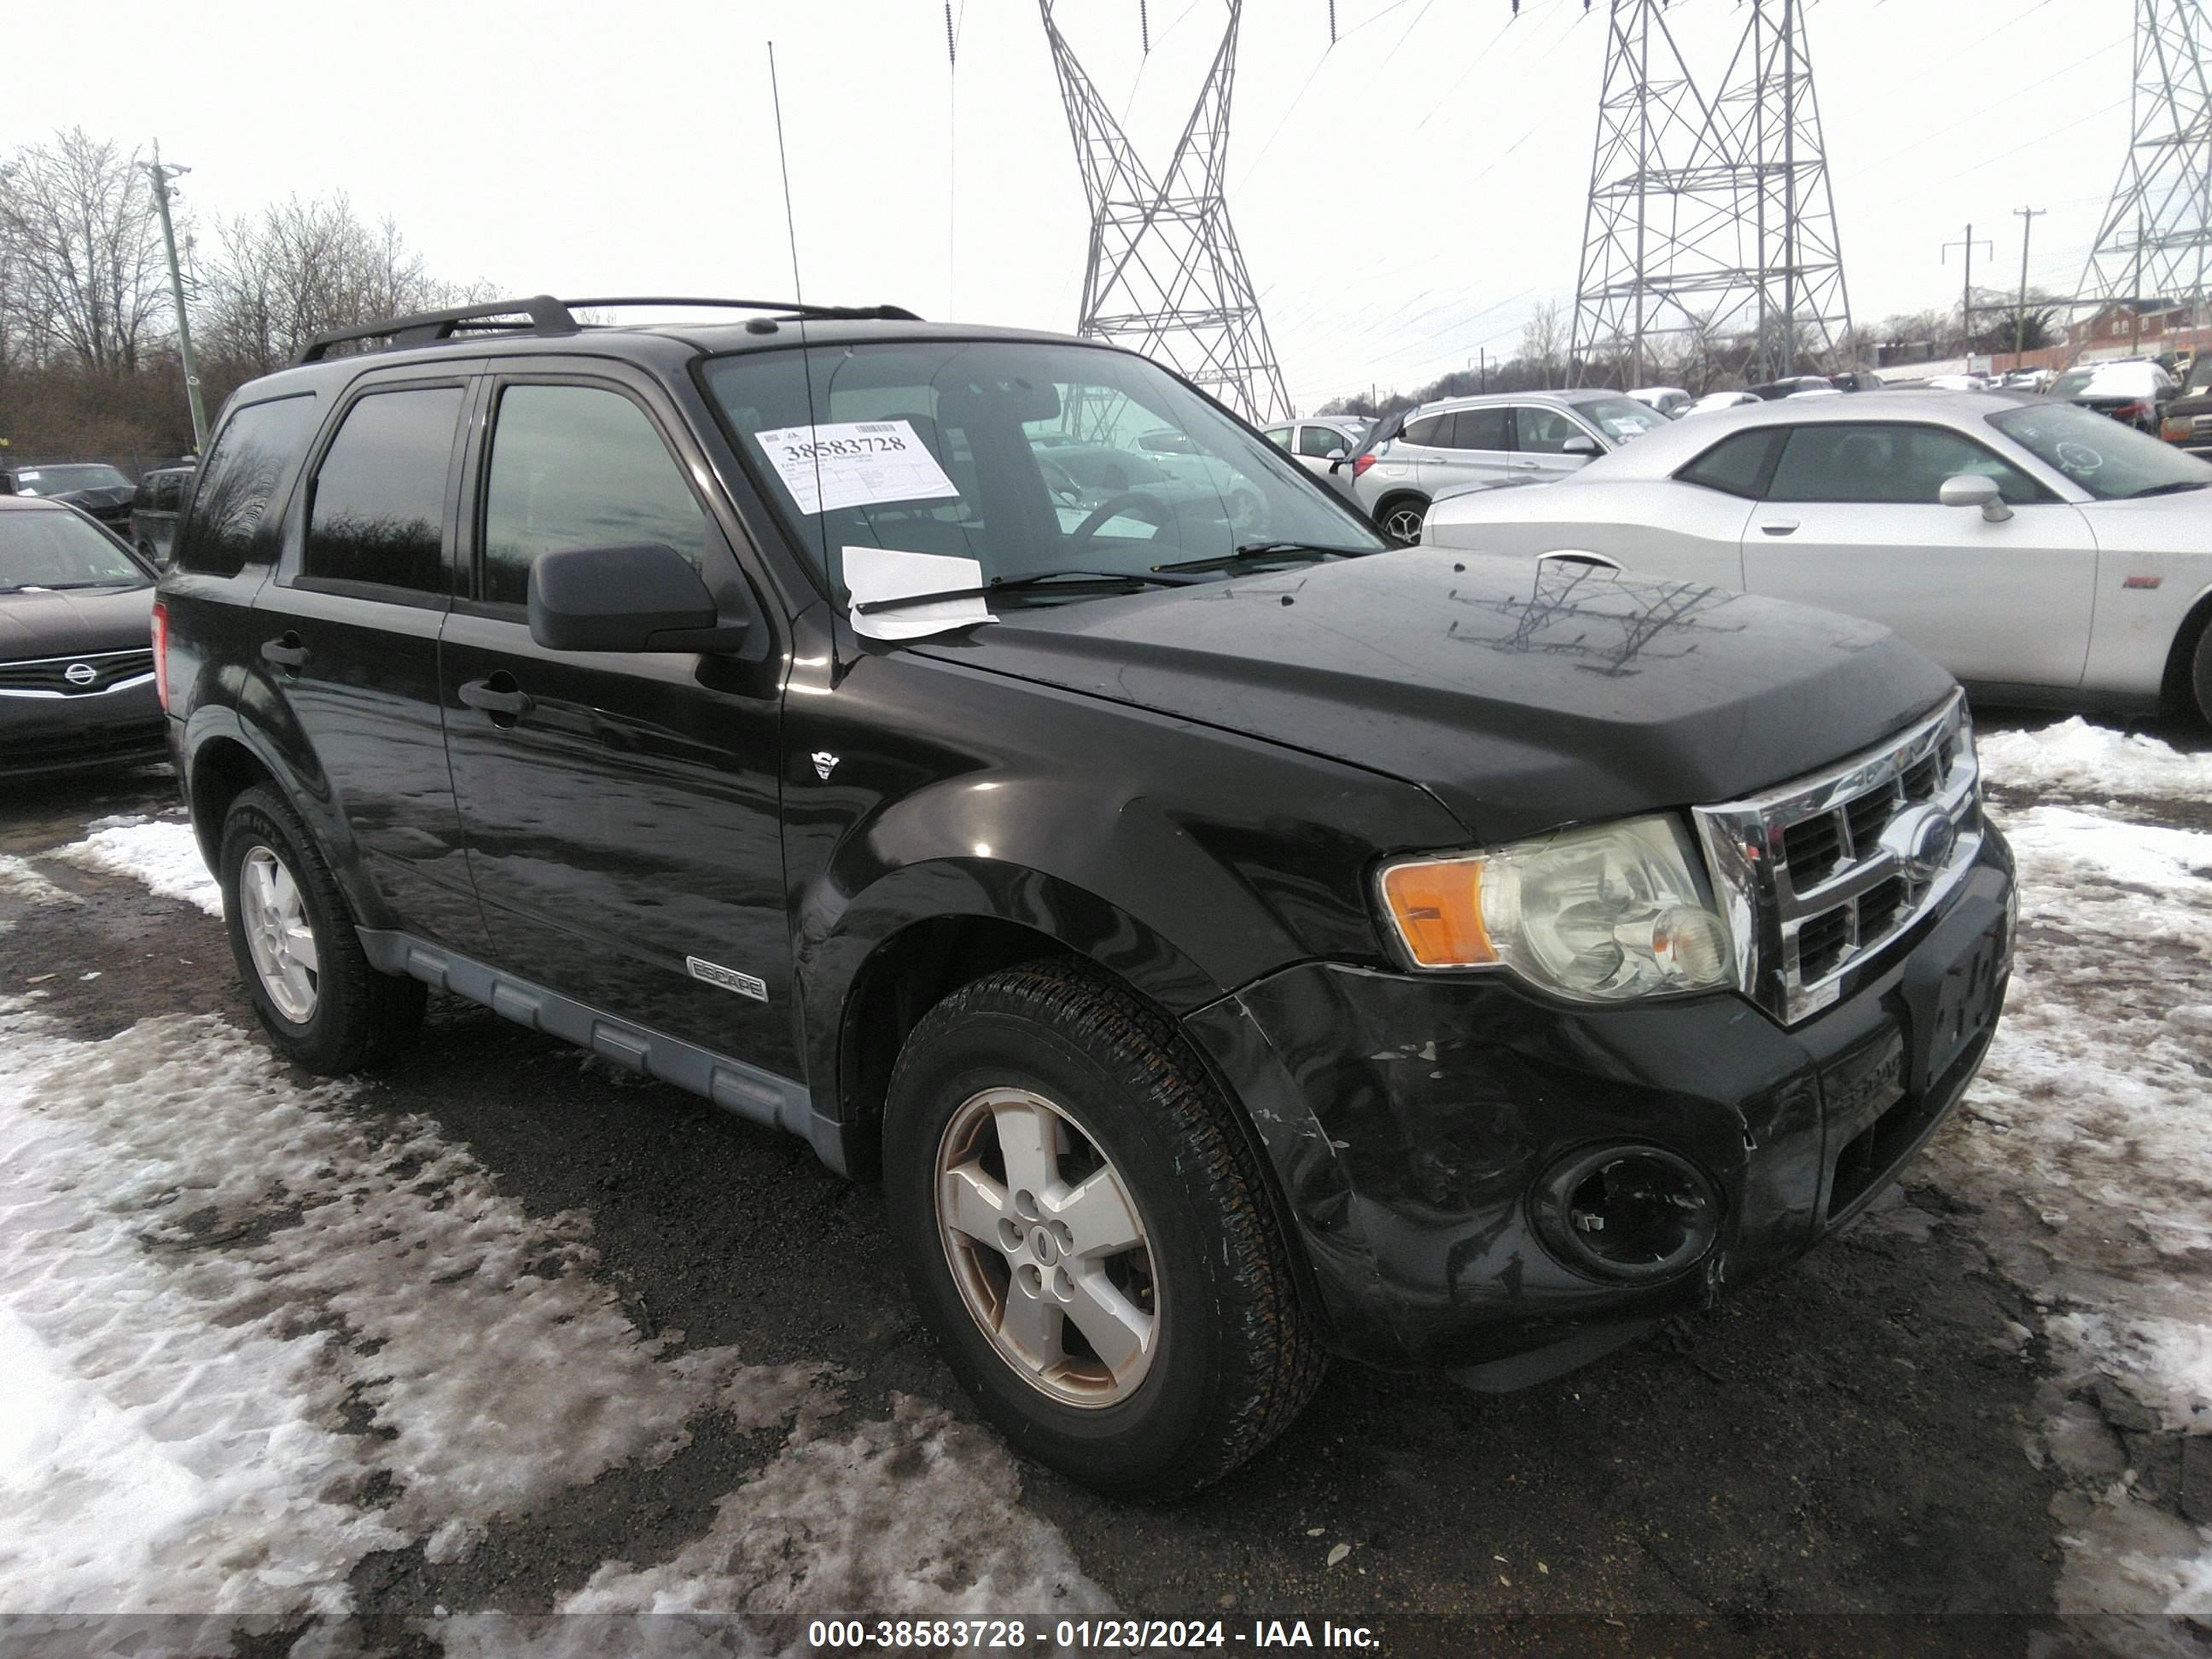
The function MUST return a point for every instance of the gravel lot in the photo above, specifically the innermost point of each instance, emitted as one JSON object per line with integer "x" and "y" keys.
{"x": 502, "y": 1331}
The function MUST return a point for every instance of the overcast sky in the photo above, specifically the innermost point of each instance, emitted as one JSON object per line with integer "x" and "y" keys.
{"x": 1404, "y": 199}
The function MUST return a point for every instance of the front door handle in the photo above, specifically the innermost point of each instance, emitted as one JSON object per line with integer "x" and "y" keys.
{"x": 286, "y": 652}
{"x": 498, "y": 696}
{"x": 1526, "y": 466}
{"x": 1780, "y": 526}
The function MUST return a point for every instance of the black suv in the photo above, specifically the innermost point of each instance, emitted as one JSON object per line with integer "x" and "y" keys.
{"x": 1228, "y": 940}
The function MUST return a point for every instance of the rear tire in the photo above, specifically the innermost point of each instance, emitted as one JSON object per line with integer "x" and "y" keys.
{"x": 2199, "y": 673}
{"x": 1400, "y": 518}
{"x": 292, "y": 933}
{"x": 1145, "y": 1218}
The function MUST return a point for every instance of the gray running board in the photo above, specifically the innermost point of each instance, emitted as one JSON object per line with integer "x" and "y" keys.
{"x": 757, "y": 1096}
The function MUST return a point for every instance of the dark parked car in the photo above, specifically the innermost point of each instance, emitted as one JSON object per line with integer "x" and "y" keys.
{"x": 2186, "y": 422}
{"x": 76, "y": 667}
{"x": 1225, "y": 945}
{"x": 1856, "y": 379}
{"x": 153, "y": 510}
{"x": 93, "y": 486}
{"x": 1793, "y": 385}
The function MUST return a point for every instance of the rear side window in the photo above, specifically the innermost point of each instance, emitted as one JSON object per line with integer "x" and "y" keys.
{"x": 254, "y": 458}
{"x": 579, "y": 466}
{"x": 379, "y": 506}
{"x": 1479, "y": 429}
{"x": 1736, "y": 465}
{"x": 1430, "y": 431}
{"x": 1279, "y": 436}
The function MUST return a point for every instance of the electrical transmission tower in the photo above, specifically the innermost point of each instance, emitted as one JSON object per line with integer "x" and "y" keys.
{"x": 2156, "y": 233}
{"x": 1165, "y": 274}
{"x": 1711, "y": 223}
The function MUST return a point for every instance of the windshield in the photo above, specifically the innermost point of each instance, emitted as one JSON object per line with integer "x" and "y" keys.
{"x": 2109, "y": 460}
{"x": 60, "y": 480}
{"x": 53, "y": 547}
{"x": 1025, "y": 458}
{"x": 1620, "y": 418}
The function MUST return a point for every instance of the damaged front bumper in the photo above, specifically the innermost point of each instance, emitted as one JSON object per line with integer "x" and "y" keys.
{"x": 1433, "y": 1137}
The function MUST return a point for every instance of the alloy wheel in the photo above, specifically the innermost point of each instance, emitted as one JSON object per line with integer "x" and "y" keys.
{"x": 1403, "y": 523}
{"x": 278, "y": 934}
{"x": 1047, "y": 1247}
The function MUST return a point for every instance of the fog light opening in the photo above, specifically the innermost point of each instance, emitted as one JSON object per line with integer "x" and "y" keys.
{"x": 1628, "y": 1213}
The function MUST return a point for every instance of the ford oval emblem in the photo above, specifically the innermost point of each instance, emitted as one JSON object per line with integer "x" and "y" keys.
{"x": 80, "y": 673}
{"x": 1922, "y": 839}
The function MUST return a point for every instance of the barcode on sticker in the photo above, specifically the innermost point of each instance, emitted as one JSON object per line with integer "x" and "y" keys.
{"x": 880, "y": 426}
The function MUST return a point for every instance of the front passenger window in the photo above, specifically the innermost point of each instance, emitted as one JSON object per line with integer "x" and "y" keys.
{"x": 579, "y": 466}
{"x": 1891, "y": 465}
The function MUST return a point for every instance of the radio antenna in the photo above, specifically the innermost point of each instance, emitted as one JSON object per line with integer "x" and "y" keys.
{"x": 783, "y": 164}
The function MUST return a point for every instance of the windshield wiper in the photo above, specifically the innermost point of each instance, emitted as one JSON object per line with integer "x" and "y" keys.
{"x": 1088, "y": 578}
{"x": 2175, "y": 489}
{"x": 1248, "y": 551}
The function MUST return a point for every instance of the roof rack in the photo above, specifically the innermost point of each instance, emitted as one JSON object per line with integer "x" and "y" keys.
{"x": 547, "y": 316}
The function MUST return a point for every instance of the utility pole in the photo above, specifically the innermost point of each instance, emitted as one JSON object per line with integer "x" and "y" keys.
{"x": 161, "y": 176}
{"x": 1967, "y": 290}
{"x": 2028, "y": 217}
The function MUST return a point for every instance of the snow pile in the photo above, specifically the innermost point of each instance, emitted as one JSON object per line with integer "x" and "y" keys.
{"x": 2087, "y": 1143}
{"x": 23, "y": 884}
{"x": 2076, "y": 758}
{"x": 161, "y": 853}
{"x": 250, "y": 1332}
{"x": 907, "y": 1516}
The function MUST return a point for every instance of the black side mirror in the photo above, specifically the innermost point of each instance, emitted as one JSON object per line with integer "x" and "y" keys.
{"x": 645, "y": 597}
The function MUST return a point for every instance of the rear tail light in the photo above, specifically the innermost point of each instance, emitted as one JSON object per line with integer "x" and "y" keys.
{"x": 162, "y": 654}
{"x": 1360, "y": 464}
{"x": 2134, "y": 412}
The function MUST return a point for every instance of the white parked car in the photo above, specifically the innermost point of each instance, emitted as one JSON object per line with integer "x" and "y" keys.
{"x": 1713, "y": 400}
{"x": 2039, "y": 551}
{"x": 1480, "y": 443}
{"x": 1670, "y": 400}
{"x": 1319, "y": 439}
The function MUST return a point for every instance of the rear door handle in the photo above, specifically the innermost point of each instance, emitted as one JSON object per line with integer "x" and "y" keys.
{"x": 1779, "y": 527}
{"x": 496, "y": 699}
{"x": 1526, "y": 466}
{"x": 287, "y": 651}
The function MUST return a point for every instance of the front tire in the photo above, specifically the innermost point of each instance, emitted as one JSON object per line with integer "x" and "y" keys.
{"x": 2200, "y": 674}
{"x": 1087, "y": 1230}
{"x": 1400, "y": 518}
{"x": 292, "y": 933}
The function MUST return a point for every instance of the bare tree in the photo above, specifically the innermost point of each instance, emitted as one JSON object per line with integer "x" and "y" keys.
{"x": 1543, "y": 339}
{"x": 84, "y": 276}
{"x": 299, "y": 269}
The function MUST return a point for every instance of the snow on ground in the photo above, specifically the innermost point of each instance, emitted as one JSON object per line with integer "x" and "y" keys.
{"x": 2074, "y": 758}
{"x": 2087, "y": 1142}
{"x": 163, "y": 852}
{"x": 251, "y": 1332}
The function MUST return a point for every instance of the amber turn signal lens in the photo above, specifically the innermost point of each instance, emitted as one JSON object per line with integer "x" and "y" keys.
{"x": 1438, "y": 909}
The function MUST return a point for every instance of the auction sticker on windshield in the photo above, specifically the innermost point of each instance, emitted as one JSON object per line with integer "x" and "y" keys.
{"x": 854, "y": 464}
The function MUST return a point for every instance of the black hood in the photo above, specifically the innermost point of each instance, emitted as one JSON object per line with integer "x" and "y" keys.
{"x": 1522, "y": 694}
{"x": 88, "y": 620}
{"x": 106, "y": 502}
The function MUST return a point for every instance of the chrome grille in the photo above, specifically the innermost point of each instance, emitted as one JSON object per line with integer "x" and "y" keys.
{"x": 1820, "y": 875}
{"x": 98, "y": 672}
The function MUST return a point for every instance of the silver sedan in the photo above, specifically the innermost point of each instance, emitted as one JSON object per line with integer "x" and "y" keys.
{"x": 2040, "y": 552}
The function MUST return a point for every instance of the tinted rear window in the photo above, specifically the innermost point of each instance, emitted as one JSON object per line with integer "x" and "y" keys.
{"x": 254, "y": 459}
{"x": 379, "y": 498}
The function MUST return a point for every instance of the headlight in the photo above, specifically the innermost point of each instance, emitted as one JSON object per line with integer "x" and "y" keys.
{"x": 1601, "y": 914}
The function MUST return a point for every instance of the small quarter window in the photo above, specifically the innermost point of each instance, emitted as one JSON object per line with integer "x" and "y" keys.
{"x": 254, "y": 457}
{"x": 379, "y": 506}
